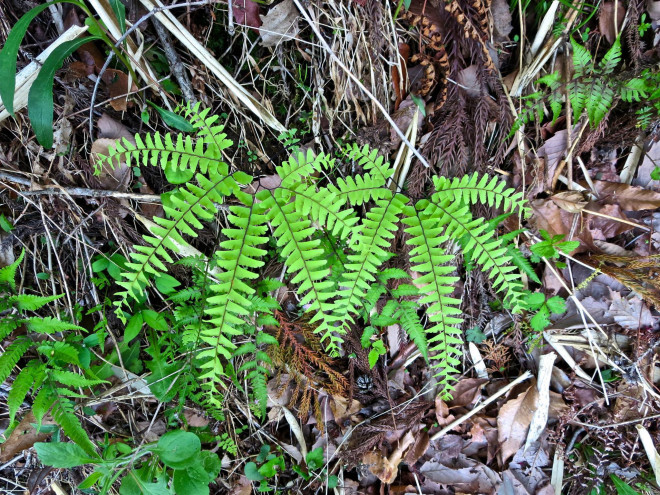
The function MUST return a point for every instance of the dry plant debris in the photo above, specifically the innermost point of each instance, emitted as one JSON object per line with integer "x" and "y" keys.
{"x": 559, "y": 99}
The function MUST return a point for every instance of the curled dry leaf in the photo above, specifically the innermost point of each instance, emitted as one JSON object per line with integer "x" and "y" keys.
{"x": 243, "y": 486}
{"x": 513, "y": 421}
{"x": 555, "y": 220}
{"x": 24, "y": 436}
{"x": 464, "y": 475}
{"x": 501, "y": 20}
{"x": 629, "y": 198}
{"x": 570, "y": 201}
{"x": 279, "y": 24}
{"x": 466, "y": 392}
{"x": 630, "y": 312}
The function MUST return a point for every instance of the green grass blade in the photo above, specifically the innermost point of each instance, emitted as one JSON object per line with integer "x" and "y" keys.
{"x": 40, "y": 98}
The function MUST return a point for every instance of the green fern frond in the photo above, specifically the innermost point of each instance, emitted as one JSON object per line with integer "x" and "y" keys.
{"x": 24, "y": 381}
{"x": 581, "y": 59}
{"x": 426, "y": 227}
{"x": 189, "y": 205}
{"x": 473, "y": 189}
{"x": 239, "y": 257}
{"x": 371, "y": 245}
{"x": 64, "y": 415}
{"x": 364, "y": 187}
{"x": 611, "y": 59}
{"x": 11, "y": 356}
{"x": 8, "y": 273}
{"x": 304, "y": 260}
{"x": 49, "y": 325}
{"x": 412, "y": 325}
{"x": 30, "y": 302}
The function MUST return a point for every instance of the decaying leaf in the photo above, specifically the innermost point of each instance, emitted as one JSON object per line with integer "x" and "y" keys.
{"x": 465, "y": 476}
{"x": 611, "y": 18}
{"x": 279, "y": 24}
{"x": 630, "y": 312}
{"x": 247, "y": 12}
{"x": 23, "y": 437}
{"x": 629, "y": 198}
{"x": 513, "y": 421}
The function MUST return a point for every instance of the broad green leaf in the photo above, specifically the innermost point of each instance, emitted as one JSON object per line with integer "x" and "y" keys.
{"x": 252, "y": 473}
{"x": 172, "y": 119}
{"x": 62, "y": 455}
{"x": 314, "y": 458}
{"x": 133, "y": 327}
{"x": 40, "y": 98}
{"x": 120, "y": 13}
{"x": 191, "y": 481}
{"x": 622, "y": 488}
{"x": 178, "y": 449}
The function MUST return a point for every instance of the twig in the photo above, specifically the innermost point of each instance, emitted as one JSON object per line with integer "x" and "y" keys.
{"x": 359, "y": 84}
{"x": 128, "y": 32}
{"x": 175, "y": 62}
{"x": 492, "y": 398}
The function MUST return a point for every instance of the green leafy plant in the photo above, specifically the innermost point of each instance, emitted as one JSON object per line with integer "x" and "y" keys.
{"x": 295, "y": 211}
{"x": 49, "y": 375}
{"x": 266, "y": 467}
{"x": 593, "y": 88}
{"x": 544, "y": 307}
{"x": 176, "y": 457}
{"x": 40, "y": 97}
{"x": 551, "y": 247}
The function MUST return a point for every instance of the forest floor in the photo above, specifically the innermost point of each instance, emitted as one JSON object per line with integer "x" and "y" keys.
{"x": 559, "y": 99}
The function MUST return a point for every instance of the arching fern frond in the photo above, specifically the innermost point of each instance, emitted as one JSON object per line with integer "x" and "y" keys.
{"x": 427, "y": 229}
{"x": 239, "y": 257}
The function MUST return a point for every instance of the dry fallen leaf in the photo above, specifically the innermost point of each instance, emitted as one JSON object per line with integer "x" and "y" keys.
{"x": 466, "y": 392}
{"x": 629, "y": 198}
{"x": 465, "y": 476}
{"x": 631, "y": 313}
{"x": 23, "y": 437}
{"x": 242, "y": 487}
{"x": 116, "y": 177}
{"x": 279, "y": 24}
{"x": 247, "y": 12}
{"x": 610, "y": 26}
{"x": 501, "y": 13}
{"x": 513, "y": 421}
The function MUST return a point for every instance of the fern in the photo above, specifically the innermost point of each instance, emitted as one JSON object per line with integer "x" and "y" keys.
{"x": 594, "y": 88}
{"x": 48, "y": 380}
{"x": 335, "y": 288}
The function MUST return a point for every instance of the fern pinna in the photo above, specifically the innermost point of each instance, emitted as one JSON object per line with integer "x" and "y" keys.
{"x": 293, "y": 214}
{"x": 48, "y": 375}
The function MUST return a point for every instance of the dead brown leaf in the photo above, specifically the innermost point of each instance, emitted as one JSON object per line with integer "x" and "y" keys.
{"x": 501, "y": 13}
{"x": 629, "y": 198}
{"x": 242, "y": 487}
{"x": 631, "y": 312}
{"x": 608, "y": 25}
{"x": 116, "y": 177}
{"x": 465, "y": 476}
{"x": 442, "y": 415}
{"x": 279, "y": 24}
{"x": 194, "y": 419}
{"x": 23, "y": 437}
{"x": 513, "y": 421}
{"x": 466, "y": 392}
{"x": 555, "y": 220}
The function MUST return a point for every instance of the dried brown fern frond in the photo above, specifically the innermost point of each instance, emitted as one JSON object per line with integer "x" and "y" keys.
{"x": 301, "y": 356}
{"x": 640, "y": 274}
